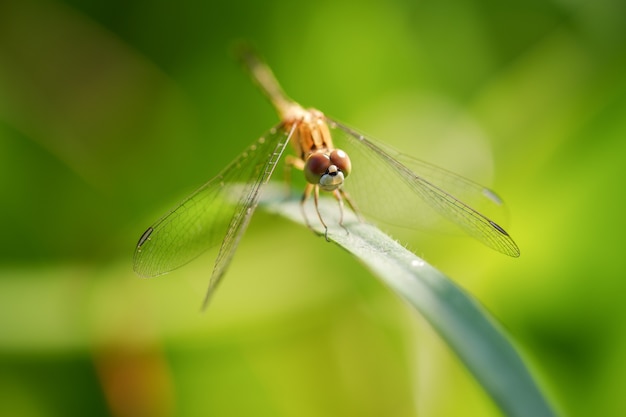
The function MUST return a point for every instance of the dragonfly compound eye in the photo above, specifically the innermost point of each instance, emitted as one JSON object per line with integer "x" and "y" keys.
{"x": 315, "y": 166}
{"x": 342, "y": 161}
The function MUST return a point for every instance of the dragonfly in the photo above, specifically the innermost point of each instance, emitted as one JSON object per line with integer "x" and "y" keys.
{"x": 387, "y": 185}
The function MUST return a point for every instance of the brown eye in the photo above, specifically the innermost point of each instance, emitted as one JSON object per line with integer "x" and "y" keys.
{"x": 315, "y": 166}
{"x": 342, "y": 161}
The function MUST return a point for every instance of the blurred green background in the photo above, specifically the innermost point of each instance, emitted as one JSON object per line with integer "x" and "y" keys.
{"x": 111, "y": 112}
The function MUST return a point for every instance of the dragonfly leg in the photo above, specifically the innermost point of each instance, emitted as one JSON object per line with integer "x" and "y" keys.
{"x": 303, "y": 200}
{"x": 339, "y": 198}
{"x": 350, "y": 202}
{"x": 316, "y": 197}
{"x": 305, "y": 196}
{"x": 290, "y": 163}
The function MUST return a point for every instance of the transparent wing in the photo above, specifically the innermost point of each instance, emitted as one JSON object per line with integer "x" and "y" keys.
{"x": 219, "y": 211}
{"x": 404, "y": 191}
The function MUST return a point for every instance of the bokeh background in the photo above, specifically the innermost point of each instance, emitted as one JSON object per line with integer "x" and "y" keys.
{"x": 111, "y": 112}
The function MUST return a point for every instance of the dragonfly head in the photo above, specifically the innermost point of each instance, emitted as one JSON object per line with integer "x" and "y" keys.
{"x": 327, "y": 169}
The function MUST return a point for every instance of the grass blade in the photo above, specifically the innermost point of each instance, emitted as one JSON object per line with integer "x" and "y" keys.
{"x": 465, "y": 326}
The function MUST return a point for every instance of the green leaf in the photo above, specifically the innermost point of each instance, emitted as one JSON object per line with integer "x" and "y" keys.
{"x": 458, "y": 318}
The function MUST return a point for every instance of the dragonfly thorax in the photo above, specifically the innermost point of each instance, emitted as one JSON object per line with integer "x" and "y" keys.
{"x": 310, "y": 131}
